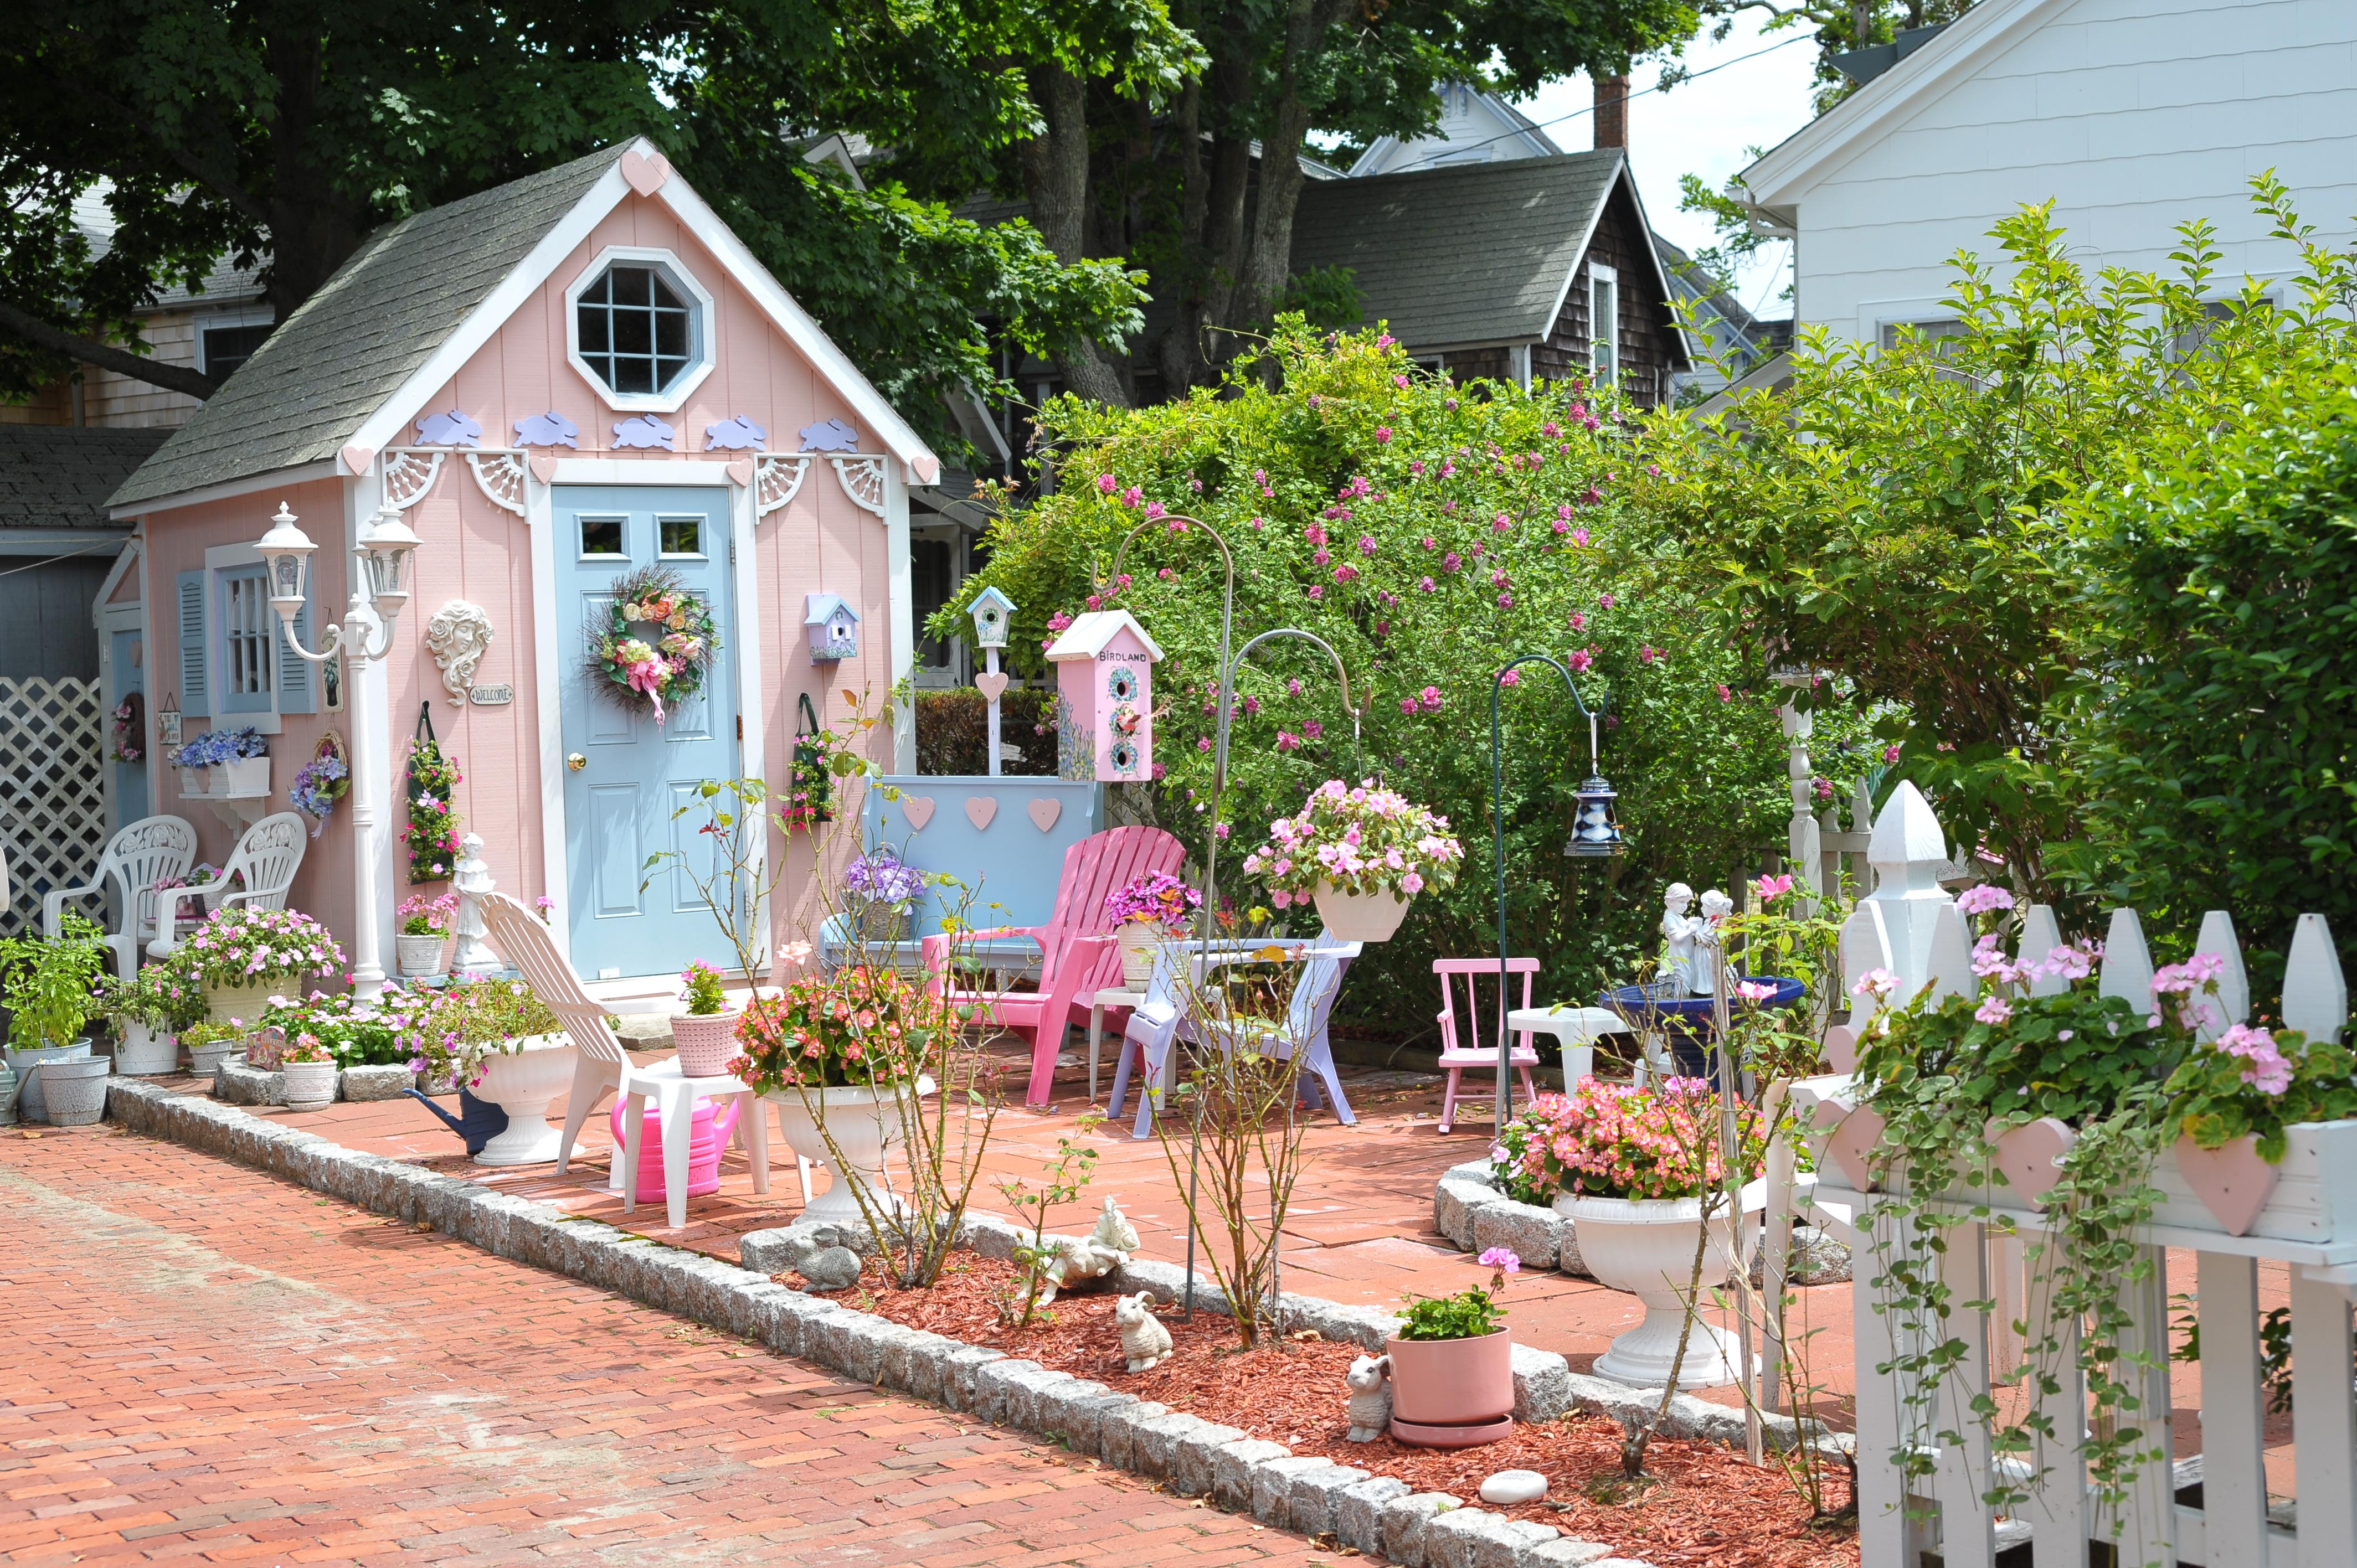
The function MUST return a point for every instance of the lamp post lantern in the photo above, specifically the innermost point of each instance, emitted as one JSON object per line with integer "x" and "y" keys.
{"x": 379, "y": 591}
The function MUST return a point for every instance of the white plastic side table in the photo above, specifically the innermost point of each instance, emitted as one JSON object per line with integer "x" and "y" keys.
{"x": 1112, "y": 997}
{"x": 1575, "y": 1029}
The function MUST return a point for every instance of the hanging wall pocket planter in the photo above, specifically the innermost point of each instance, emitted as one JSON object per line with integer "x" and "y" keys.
{"x": 810, "y": 783}
{"x": 433, "y": 779}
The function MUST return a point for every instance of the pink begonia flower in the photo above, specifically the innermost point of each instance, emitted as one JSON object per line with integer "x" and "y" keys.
{"x": 1153, "y": 510}
{"x": 1107, "y": 483}
{"x": 1505, "y": 601}
{"x": 1367, "y": 545}
{"x": 1428, "y": 586}
{"x": 1502, "y": 522}
{"x": 1890, "y": 756}
{"x": 1431, "y": 695}
{"x": 1876, "y": 982}
{"x": 1604, "y": 601}
{"x": 1452, "y": 561}
{"x": 1510, "y": 678}
{"x": 1407, "y": 704}
{"x": 1985, "y": 899}
{"x": 1647, "y": 653}
{"x": 1287, "y": 740}
{"x": 1168, "y": 574}
{"x": 1159, "y": 771}
{"x": 1317, "y": 591}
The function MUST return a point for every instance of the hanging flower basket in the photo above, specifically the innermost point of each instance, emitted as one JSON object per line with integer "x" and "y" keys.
{"x": 433, "y": 831}
{"x": 322, "y": 781}
{"x": 657, "y": 643}
{"x": 1359, "y": 854}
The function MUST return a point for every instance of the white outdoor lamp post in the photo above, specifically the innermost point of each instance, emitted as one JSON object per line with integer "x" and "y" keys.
{"x": 379, "y": 590}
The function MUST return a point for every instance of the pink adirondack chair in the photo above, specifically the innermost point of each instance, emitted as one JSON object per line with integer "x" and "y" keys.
{"x": 1079, "y": 953}
{"x": 1479, "y": 1051}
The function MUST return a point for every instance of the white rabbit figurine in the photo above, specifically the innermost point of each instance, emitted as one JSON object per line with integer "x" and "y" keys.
{"x": 1370, "y": 1377}
{"x": 1143, "y": 1338}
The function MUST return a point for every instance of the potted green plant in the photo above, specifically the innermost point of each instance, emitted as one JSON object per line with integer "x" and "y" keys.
{"x": 1452, "y": 1367}
{"x": 51, "y": 989}
{"x": 1360, "y": 853}
{"x": 424, "y": 930}
{"x": 706, "y": 1033}
{"x": 310, "y": 1071}
{"x": 209, "y": 1044}
{"x": 148, "y": 1012}
{"x": 241, "y": 955}
{"x": 1153, "y": 909}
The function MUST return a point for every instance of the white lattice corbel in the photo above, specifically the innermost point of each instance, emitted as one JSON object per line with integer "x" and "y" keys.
{"x": 500, "y": 475}
{"x": 777, "y": 479}
{"x": 863, "y": 480}
{"x": 410, "y": 473}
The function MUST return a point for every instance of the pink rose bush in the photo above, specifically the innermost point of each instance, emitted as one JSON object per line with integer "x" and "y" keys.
{"x": 1364, "y": 840}
{"x": 1622, "y": 1140}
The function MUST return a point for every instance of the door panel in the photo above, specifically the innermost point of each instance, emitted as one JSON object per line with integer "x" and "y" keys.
{"x": 125, "y": 666}
{"x": 635, "y": 772}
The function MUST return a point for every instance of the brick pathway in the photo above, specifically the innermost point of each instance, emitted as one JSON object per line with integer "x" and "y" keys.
{"x": 201, "y": 1364}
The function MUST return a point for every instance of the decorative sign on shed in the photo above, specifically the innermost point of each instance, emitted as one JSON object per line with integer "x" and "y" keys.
{"x": 1104, "y": 698}
{"x": 833, "y": 627}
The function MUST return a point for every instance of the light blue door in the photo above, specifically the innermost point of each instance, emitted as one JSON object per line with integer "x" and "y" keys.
{"x": 624, "y": 773}
{"x": 129, "y": 679}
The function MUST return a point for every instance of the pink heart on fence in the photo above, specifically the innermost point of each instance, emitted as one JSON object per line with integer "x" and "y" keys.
{"x": 2231, "y": 1182}
{"x": 543, "y": 467}
{"x": 918, "y": 810}
{"x": 741, "y": 470}
{"x": 980, "y": 810}
{"x": 1044, "y": 812}
{"x": 646, "y": 174}
{"x": 1852, "y": 1145}
{"x": 2027, "y": 1156}
{"x": 358, "y": 457}
{"x": 992, "y": 687}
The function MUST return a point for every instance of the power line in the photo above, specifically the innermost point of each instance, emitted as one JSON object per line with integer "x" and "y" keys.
{"x": 53, "y": 560}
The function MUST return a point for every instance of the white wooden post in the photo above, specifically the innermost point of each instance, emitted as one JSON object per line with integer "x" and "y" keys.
{"x": 1907, "y": 852}
{"x": 2233, "y": 1461}
{"x": 2324, "y": 1434}
{"x": 1967, "y": 1528}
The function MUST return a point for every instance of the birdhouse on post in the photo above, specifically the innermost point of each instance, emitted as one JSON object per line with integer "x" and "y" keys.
{"x": 993, "y": 613}
{"x": 833, "y": 627}
{"x": 1105, "y": 699}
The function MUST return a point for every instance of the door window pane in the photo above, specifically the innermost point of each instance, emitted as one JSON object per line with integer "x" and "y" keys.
{"x": 601, "y": 536}
{"x": 680, "y": 535}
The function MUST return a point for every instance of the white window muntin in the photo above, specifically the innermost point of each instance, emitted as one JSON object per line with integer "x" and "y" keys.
{"x": 702, "y": 353}
{"x": 1603, "y": 321}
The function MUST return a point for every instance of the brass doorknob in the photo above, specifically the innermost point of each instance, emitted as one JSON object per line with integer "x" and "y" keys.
{"x": 575, "y": 761}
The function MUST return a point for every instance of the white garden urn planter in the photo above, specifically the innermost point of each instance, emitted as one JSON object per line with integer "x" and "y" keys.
{"x": 246, "y": 1000}
{"x": 144, "y": 1052}
{"x": 524, "y": 1083}
{"x": 867, "y": 1127}
{"x": 1646, "y": 1247}
{"x": 1360, "y": 916}
{"x": 420, "y": 957}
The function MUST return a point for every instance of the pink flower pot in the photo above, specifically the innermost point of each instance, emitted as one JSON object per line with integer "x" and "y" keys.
{"x": 1452, "y": 1393}
{"x": 707, "y": 1137}
{"x": 706, "y": 1041}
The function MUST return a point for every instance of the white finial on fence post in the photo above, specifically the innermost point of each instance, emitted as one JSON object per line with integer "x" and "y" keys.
{"x": 1907, "y": 852}
{"x": 1951, "y": 963}
{"x": 472, "y": 879}
{"x": 2315, "y": 993}
{"x": 2040, "y": 935}
{"x": 2232, "y": 1005}
{"x": 2128, "y": 962}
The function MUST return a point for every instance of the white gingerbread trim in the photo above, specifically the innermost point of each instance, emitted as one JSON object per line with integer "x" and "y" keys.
{"x": 863, "y": 480}
{"x": 499, "y": 474}
{"x": 409, "y": 472}
{"x": 777, "y": 479}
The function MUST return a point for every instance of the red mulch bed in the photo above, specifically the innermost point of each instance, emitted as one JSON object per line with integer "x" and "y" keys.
{"x": 1711, "y": 1509}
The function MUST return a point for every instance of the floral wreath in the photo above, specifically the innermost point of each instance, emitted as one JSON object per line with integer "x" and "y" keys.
{"x": 642, "y": 675}
{"x": 322, "y": 781}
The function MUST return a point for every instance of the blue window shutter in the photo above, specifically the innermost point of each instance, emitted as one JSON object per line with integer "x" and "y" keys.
{"x": 192, "y": 645}
{"x": 295, "y": 681}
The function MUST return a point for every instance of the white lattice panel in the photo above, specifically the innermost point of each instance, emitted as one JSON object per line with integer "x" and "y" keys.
{"x": 52, "y": 792}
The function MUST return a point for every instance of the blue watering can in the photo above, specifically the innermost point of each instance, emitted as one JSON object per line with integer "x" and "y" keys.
{"x": 478, "y": 1121}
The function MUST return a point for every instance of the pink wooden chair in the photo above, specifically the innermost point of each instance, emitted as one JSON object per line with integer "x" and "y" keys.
{"x": 1478, "y": 1050}
{"x": 1078, "y": 951}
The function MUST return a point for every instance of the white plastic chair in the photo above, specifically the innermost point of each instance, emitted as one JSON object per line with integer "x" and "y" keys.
{"x": 145, "y": 852}
{"x": 1155, "y": 1023}
{"x": 605, "y": 1068}
{"x": 257, "y": 874}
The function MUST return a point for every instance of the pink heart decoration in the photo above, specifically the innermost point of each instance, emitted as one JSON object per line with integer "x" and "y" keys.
{"x": 1852, "y": 1145}
{"x": 543, "y": 467}
{"x": 2231, "y": 1182}
{"x": 1044, "y": 811}
{"x": 918, "y": 810}
{"x": 1841, "y": 1049}
{"x": 980, "y": 810}
{"x": 358, "y": 457}
{"x": 991, "y": 686}
{"x": 927, "y": 468}
{"x": 2027, "y": 1156}
{"x": 741, "y": 470}
{"x": 645, "y": 173}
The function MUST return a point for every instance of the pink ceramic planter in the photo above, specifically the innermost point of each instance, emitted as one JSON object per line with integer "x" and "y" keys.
{"x": 1452, "y": 1393}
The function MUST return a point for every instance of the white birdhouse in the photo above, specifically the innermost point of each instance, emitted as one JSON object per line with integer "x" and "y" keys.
{"x": 833, "y": 627}
{"x": 993, "y": 614}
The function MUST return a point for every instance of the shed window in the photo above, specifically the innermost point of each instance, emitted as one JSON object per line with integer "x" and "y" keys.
{"x": 247, "y": 629}
{"x": 639, "y": 331}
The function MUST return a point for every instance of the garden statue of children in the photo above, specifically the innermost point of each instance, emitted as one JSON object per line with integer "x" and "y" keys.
{"x": 1678, "y": 930}
{"x": 1715, "y": 907}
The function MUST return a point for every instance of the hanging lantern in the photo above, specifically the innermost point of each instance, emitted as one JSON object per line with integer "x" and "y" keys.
{"x": 1594, "y": 832}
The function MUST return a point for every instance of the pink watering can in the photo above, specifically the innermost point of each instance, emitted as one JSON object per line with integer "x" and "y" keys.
{"x": 707, "y": 1137}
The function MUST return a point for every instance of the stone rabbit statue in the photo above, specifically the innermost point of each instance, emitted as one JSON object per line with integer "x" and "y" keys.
{"x": 1370, "y": 1379}
{"x": 1143, "y": 1338}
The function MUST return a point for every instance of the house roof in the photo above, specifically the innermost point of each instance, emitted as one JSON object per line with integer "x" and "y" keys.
{"x": 57, "y": 477}
{"x": 355, "y": 363}
{"x": 1465, "y": 254}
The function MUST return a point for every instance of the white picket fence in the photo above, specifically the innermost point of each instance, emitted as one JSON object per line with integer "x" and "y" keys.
{"x": 2214, "y": 1511}
{"x": 52, "y": 790}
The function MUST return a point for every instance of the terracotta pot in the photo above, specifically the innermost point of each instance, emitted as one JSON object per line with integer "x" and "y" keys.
{"x": 865, "y": 1124}
{"x": 1360, "y": 916}
{"x": 523, "y": 1083}
{"x": 706, "y": 1041}
{"x": 310, "y": 1086}
{"x": 420, "y": 958}
{"x": 1452, "y": 1393}
{"x": 1646, "y": 1247}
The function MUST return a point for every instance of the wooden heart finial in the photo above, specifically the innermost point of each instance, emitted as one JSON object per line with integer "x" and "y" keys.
{"x": 646, "y": 171}
{"x": 980, "y": 810}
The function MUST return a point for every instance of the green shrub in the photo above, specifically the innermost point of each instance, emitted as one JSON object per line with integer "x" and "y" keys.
{"x": 953, "y": 731}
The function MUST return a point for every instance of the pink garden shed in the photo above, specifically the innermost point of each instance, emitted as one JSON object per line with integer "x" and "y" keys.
{"x": 629, "y": 461}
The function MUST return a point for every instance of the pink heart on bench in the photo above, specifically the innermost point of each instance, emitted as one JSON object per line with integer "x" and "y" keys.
{"x": 1044, "y": 810}
{"x": 918, "y": 810}
{"x": 980, "y": 810}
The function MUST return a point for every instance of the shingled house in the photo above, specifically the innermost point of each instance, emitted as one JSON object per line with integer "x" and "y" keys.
{"x": 1537, "y": 267}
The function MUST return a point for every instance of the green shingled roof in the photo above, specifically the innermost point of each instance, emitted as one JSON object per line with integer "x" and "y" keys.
{"x": 1458, "y": 256}
{"x": 350, "y": 346}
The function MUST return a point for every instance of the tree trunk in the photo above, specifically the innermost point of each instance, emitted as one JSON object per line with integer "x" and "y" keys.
{"x": 1056, "y": 180}
{"x": 1268, "y": 262}
{"x": 106, "y": 356}
{"x": 313, "y": 230}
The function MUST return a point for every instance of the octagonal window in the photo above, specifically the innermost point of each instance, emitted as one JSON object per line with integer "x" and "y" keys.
{"x": 638, "y": 330}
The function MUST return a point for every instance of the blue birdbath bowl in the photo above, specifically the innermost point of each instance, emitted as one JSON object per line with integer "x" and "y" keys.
{"x": 1685, "y": 1021}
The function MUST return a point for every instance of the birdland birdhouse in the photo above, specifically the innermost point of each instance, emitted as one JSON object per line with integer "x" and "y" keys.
{"x": 993, "y": 612}
{"x": 833, "y": 627}
{"x": 1105, "y": 699}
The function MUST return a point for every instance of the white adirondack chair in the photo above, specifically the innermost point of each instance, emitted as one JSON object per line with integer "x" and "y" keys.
{"x": 1156, "y": 1024}
{"x": 258, "y": 873}
{"x": 138, "y": 857}
{"x": 605, "y": 1068}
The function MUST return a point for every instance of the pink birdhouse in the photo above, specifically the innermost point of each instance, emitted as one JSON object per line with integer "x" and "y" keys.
{"x": 1105, "y": 699}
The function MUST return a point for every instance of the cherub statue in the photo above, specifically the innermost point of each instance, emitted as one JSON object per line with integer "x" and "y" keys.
{"x": 1678, "y": 930}
{"x": 1715, "y": 907}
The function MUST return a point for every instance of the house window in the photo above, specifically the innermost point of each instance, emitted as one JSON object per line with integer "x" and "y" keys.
{"x": 601, "y": 536}
{"x": 933, "y": 578}
{"x": 1603, "y": 322}
{"x": 1929, "y": 332}
{"x": 224, "y": 348}
{"x": 639, "y": 332}
{"x": 248, "y": 625}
